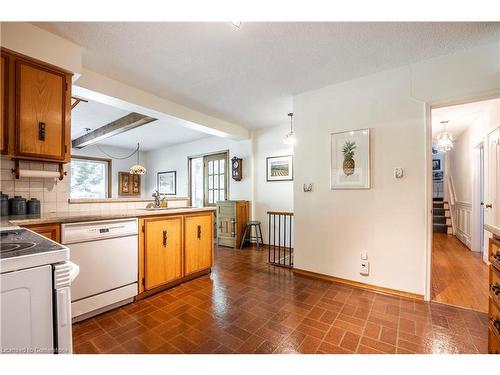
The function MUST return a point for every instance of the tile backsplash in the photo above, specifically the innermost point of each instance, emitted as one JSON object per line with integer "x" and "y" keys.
{"x": 52, "y": 193}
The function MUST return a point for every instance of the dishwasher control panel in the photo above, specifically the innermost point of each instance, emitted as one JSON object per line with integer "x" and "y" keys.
{"x": 98, "y": 230}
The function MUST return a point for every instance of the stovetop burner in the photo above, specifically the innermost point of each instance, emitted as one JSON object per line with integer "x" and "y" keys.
{"x": 21, "y": 242}
{"x": 7, "y": 247}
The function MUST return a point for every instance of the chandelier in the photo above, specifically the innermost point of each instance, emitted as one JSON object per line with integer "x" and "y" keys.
{"x": 289, "y": 138}
{"x": 444, "y": 140}
{"x": 137, "y": 168}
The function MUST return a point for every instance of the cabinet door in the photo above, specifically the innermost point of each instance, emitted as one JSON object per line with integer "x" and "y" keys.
{"x": 51, "y": 231}
{"x": 162, "y": 251}
{"x": 226, "y": 224}
{"x": 41, "y": 111}
{"x": 198, "y": 242}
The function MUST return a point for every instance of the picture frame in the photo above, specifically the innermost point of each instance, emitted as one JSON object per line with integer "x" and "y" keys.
{"x": 167, "y": 182}
{"x": 279, "y": 168}
{"x": 129, "y": 184}
{"x": 350, "y": 160}
{"x": 436, "y": 164}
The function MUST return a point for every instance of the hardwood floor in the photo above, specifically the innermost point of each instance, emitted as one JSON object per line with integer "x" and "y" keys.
{"x": 459, "y": 276}
{"x": 249, "y": 306}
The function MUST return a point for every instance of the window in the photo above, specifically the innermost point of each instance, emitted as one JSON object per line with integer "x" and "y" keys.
{"x": 90, "y": 178}
{"x": 208, "y": 179}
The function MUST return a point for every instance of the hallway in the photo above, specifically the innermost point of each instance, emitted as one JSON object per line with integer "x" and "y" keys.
{"x": 459, "y": 276}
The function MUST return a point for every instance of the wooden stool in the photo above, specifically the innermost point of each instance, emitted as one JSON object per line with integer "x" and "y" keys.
{"x": 258, "y": 233}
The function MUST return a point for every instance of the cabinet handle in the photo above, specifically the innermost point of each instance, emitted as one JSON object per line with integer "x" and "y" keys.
{"x": 199, "y": 232}
{"x": 41, "y": 131}
{"x": 164, "y": 238}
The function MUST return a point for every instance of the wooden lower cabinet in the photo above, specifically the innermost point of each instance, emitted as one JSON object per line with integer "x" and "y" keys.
{"x": 493, "y": 342}
{"x": 494, "y": 301}
{"x": 51, "y": 231}
{"x": 162, "y": 251}
{"x": 173, "y": 249}
{"x": 198, "y": 243}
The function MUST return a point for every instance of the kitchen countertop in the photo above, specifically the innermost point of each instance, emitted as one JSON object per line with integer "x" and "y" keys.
{"x": 493, "y": 229}
{"x": 72, "y": 217}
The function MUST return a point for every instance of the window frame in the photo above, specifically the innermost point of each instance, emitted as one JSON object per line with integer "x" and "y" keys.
{"x": 205, "y": 182}
{"x": 110, "y": 174}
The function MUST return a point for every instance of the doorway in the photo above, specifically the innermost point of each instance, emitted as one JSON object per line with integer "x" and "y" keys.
{"x": 462, "y": 197}
{"x": 208, "y": 182}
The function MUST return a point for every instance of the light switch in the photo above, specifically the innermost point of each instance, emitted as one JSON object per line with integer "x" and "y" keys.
{"x": 364, "y": 255}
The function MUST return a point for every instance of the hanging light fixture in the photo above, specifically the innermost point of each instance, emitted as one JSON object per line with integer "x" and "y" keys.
{"x": 289, "y": 138}
{"x": 444, "y": 140}
{"x": 137, "y": 168}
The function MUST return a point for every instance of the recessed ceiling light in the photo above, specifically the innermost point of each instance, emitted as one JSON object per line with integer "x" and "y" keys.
{"x": 236, "y": 24}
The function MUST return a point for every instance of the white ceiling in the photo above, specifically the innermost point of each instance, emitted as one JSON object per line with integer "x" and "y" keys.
{"x": 249, "y": 75}
{"x": 153, "y": 135}
{"x": 460, "y": 117}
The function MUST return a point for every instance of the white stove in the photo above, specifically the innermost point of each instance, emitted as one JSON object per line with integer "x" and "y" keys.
{"x": 35, "y": 279}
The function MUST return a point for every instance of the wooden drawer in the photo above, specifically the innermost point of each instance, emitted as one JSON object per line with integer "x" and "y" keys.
{"x": 495, "y": 285}
{"x": 494, "y": 316}
{"x": 493, "y": 342}
{"x": 494, "y": 256}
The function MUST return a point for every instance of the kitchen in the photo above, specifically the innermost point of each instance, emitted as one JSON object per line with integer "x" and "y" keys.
{"x": 124, "y": 242}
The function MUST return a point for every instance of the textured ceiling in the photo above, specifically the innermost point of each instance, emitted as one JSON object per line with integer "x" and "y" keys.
{"x": 249, "y": 75}
{"x": 151, "y": 136}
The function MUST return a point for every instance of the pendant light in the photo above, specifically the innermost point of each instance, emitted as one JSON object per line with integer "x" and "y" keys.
{"x": 444, "y": 140}
{"x": 289, "y": 138}
{"x": 137, "y": 168}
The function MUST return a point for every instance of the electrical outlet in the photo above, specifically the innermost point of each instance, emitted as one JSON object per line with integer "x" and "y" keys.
{"x": 365, "y": 268}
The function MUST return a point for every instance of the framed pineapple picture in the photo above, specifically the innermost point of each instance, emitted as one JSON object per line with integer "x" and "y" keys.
{"x": 350, "y": 159}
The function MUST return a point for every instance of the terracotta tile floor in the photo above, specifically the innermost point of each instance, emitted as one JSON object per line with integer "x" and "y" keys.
{"x": 248, "y": 306}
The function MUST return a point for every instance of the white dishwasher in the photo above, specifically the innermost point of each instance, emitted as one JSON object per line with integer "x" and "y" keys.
{"x": 107, "y": 253}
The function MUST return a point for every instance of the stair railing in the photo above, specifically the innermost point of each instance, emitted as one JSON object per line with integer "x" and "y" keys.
{"x": 280, "y": 236}
{"x": 452, "y": 200}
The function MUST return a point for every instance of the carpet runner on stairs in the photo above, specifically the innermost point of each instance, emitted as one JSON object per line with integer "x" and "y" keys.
{"x": 441, "y": 220}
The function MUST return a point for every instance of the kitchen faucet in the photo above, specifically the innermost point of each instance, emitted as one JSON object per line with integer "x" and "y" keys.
{"x": 156, "y": 196}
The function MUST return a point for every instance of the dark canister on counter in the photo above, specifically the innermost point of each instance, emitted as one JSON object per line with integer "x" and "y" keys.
{"x": 17, "y": 205}
{"x": 33, "y": 206}
{"x": 4, "y": 204}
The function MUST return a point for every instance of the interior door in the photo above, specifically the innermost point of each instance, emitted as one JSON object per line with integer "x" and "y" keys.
{"x": 26, "y": 309}
{"x": 41, "y": 111}
{"x": 492, "y": 180}
{"x": 163, "y": 251}
{"x": 198, "y": 240}
{"x": 215, "y": 181}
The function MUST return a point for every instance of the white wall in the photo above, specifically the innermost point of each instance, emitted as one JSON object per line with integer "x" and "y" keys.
{"x": 175, "y": 158}
{"x": 389, "y": 220}
{"x": 117, "y": 165}
{"x": 462, "y": 164}
{"x": 276, "y": 195}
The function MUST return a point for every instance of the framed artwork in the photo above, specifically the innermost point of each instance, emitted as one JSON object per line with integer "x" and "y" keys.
{"x": 129, "y": 184}
{"x": 279, "y": 168}
{"x": 350, "y": 159}
{"x": 167, "y": 183}
{"x": 436, "y": 164}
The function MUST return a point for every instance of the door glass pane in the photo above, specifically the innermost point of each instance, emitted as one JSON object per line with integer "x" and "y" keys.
{"x": 210, "y": 182}
{"x": 211, "y": 196}
{"x": 210, "y": 167}
{"x": 222, "y": 195}
{"x": 221, "y": 181}
{"x": 197, "y": 182}
{"x": 222, "y": 168}
{"x": 216, "y": 196}
{"x": 216, "y": 167}
{"x": 216, "y": 182}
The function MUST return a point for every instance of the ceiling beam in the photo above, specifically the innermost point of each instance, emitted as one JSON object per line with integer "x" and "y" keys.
{"x": 123, "y": 124}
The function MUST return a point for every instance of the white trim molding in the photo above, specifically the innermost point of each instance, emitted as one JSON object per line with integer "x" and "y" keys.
{"x": 463, "y": 220}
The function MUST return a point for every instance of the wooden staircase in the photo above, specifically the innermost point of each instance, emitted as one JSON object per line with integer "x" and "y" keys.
{"x": 441, "y": 217}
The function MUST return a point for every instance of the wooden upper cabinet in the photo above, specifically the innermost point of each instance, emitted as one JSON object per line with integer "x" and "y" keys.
{"x": 38, "y": 103}
{"x": 162, "y": 251}
{"x": 198, "y": 243}
{"x": 40, "y": 111}
{"x": 3, "y": 104}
